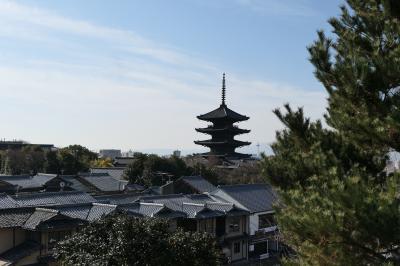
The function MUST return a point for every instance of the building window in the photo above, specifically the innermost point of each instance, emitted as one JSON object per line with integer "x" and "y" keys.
{"x": 236, "y": 247}
{"x": 206, "y": 225}
{"x": 266, "y": 220}
{"x": 234, "y": 224}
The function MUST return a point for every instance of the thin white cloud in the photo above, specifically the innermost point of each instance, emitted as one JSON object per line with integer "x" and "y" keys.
{"x": 119, "y": 89}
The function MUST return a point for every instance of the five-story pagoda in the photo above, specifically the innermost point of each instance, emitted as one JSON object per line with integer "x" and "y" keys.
{"x": 223, "y": 131}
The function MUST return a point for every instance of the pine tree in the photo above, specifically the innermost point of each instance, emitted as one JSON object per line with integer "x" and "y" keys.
{"x": 338, "y": 205}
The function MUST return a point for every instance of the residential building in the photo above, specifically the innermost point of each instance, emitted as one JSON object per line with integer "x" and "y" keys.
{"x": 123, "y": 161}
{"x": 19, "y": 144}
{"x": 258, "y": 199}
{"x": 110, "y": 153}
{"x": 12, "y": 184}
{"x": 31, "y": 224}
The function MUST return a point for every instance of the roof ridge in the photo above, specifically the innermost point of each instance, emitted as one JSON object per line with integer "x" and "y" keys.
{"x": 194, "y": 204}
{"x": 104, "y": 204}
{"x": 152, "y": 204}
{"x": 46, "y": 210}
{"x": 220, "y": 203}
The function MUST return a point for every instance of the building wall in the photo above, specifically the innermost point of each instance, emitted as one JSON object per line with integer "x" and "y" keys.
{"x": 242, "y": 227}
{"x": 10, "y": 238}
{"x": 7, "y": 242}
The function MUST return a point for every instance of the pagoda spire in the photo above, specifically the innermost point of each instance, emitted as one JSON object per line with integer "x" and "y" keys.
{"x": 223, "y": 89}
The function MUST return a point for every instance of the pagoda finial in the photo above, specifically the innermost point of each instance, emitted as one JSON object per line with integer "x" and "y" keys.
{"x": 223, "y": 89}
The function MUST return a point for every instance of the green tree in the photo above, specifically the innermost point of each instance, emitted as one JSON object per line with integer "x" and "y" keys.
{"x": 75, "y": 158}
{"x": 52, "y": 164}
{"x": 35, "y": 158}
{"x": 123, "y": 240}
{"x": 102, "y": 162}
{"x": 148, "y": 169}
{"x": 338, "y": 206}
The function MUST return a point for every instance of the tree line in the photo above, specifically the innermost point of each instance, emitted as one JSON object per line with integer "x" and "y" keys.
{"x": 33, "y": 159}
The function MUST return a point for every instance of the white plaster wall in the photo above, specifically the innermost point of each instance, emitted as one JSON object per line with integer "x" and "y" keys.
{"x": 253, "y": 223}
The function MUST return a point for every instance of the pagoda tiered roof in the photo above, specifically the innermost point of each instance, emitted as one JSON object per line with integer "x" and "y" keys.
{"x": 229, "y": 156}
{"x": 233, "y": 143}
{"x": 233, "y": 129}
{"x": 223, "y": 112}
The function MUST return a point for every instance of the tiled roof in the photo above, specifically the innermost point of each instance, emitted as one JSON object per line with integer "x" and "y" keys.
{"x": 27, "y": 181}
{"x": 105, "y": 182}
{"x": 10, "y": 218}
{"x": 99, "y": 210}
{"x": 222, "y": 112}
{"x": 12, "y": 256}
{"x": 150, "y": 209}
{"x": 52, "y": 198}
{"x": 198, "y": 183}
{"x": 119, "y": 198}
{"x": 43, "y": 178}
{"x": 115, "y": 172}
{"x": 254, "y": 197}
{"x": 75, "y": 211}
{"x": 6, "y": 201}
{"x": 40, "y": 215}
{"x": 194, "y": 206}
{"x": 75, "y": 183}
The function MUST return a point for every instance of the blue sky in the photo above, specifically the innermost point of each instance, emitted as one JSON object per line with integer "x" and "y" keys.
{"x": 134, "y": 74}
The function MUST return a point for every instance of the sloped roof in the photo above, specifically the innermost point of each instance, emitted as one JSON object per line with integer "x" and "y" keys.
{"x": 7, "y": 202}
{"x": 52, "y": 198}
{"x": 99, "y": 210}
{"x": 27, "y": 181}
{"x": 10, "y": 218}
{"x": 254, "y": 197}
{"x": 75, "y": 211}
{"x": 194, "y": 206}
{"x": 222, "y": 112}
{"x": 198, "y": 183}
{"x": 119, "y": 198}
{"x": 75, "y": 183}
{"x": 115, "y": 172}
{"x": 39, "y": 215}
{"x": 104, "y": 182}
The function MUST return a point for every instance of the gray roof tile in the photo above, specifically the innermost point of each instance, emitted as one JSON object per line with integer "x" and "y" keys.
{"x": 254, "y": 197}
{"x": 99, "y": 210}
{"x": 198, "y": 183}
{"x": 40, "y": 215}
{"x": 119, "y": 198}
{"x": 52, "y": 198}
{"x": 115, "y": 172}
{"x": 75, "y": 183}
{"x": 27, "y": 181}
{"x": 105, "y": 182}
{"x": 7, "y": 202}
{"x": 10, "y": 218}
